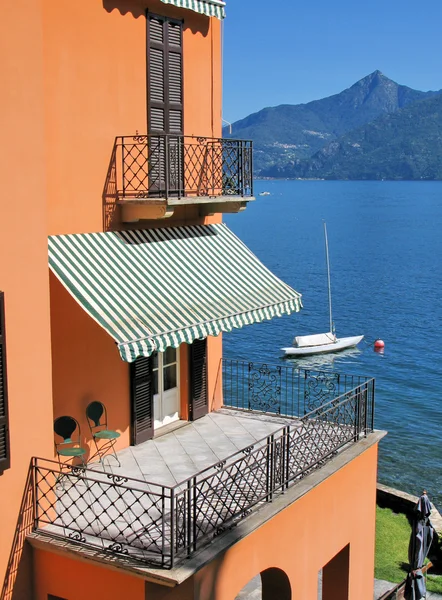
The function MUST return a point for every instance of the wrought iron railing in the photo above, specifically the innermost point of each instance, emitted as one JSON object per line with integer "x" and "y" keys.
{"x": 280, "y": 389}
{"x": 158, "y": 524}
{"x": 178, "y": 166}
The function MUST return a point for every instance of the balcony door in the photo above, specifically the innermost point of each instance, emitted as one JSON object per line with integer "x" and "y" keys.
{"x": 166, "y": 397}
{"x": 155, "y": 389}
{"x": 155, "y": 399}
{"x": 165, "y": 105}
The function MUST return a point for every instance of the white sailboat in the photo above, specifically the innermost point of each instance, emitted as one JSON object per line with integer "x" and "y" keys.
{"x": 321, "y": 343}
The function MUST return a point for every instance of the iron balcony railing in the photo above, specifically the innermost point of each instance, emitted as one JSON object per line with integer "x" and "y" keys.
{"x": 159, "y": 525}
{"x": 284, "y": 390}
{"x": 178, "y": 166}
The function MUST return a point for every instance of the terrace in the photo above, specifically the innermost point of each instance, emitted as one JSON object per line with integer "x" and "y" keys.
{"x": 174, "y": 494}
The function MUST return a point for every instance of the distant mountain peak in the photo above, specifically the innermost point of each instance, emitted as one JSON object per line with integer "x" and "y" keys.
{"x": 374, "y": 79}
{"x": 288, "y": 133}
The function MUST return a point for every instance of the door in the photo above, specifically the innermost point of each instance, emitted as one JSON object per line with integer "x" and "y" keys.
{"x": 166, "y": 398}
{"x": 198, "y": 379}
{"x": 165, "y": 104}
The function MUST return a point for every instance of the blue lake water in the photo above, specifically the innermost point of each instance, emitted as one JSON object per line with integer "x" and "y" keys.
{"x": 385, "y": 241}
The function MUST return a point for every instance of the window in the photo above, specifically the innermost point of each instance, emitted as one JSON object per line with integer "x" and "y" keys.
{"x": 4, "y": 428}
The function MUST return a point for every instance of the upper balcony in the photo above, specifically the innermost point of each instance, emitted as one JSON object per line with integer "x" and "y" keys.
{"x": 173, "y": 495}
{"x": 157, "y": 173}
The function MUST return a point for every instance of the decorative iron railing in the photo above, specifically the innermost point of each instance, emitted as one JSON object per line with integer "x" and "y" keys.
{"x": 178, "y": 166}
{"x": 157, "y": 524}
{"x": 280, "y": 389}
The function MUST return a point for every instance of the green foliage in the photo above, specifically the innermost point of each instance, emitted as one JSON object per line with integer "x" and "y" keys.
{"x": 391, "y": 558}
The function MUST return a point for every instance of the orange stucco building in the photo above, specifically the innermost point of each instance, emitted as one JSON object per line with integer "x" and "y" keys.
{"x": 112, "y": 150}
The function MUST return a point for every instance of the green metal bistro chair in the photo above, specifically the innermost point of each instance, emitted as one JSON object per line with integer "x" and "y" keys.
{"x": 69, "y": 430}
{"x": 104, "y": 438}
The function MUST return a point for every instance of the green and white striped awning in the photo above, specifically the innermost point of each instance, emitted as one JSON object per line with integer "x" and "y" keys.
{"x": 156, "y": 288}
{"x": 211, "y": 8}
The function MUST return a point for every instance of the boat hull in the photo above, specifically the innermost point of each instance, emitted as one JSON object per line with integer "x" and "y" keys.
{"x": 340, "y": 344}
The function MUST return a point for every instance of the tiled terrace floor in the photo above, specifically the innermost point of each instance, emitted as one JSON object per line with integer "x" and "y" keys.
{"x": 172, "y": 458}
{"x": 103, "y": 508}
{"x": 146, "y": 509}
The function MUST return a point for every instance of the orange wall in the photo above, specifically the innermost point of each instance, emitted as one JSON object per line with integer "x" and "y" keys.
{"x": 86, "y": 366}
{"x": 214, "y": 372}
{"x": 306, "y": 536}
{"x": 300, "y": 541}
{"x": 76, "y": 580}
{"x": 23, "y": 258}
{"x": 95, "y": 90}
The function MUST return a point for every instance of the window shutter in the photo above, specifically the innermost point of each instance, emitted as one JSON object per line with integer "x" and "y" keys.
{"x": 198, "y": 379}
{"x": 142, "y": 399}
{"x": 165, "y": 103}
{"x": 5, "y": 461}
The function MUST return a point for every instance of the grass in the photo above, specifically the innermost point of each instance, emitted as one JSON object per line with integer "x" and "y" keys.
{"x": 391, "y": 559}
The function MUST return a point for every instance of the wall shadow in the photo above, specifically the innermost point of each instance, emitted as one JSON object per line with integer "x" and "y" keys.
{"x": 18, "y": 578}
{"x": 111, "y": 212}
{"x": 196, "y": 22}
{"x": 271, "y": 584}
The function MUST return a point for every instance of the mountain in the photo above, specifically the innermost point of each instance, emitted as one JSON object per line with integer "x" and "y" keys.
{"x": 290, "y": 132}
{"x": 406, "y": 144}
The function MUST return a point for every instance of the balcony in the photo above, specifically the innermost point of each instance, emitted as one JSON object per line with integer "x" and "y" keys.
{"x": 173, "y": 495}
{"x": 155, "y": 174}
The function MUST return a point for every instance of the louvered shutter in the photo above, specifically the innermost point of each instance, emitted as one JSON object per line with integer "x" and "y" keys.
{"x": 165, "y": 104}
{"x": 5, "y": 460}
{"x": 142, "y": 399}
{"x": 198, "y": 379}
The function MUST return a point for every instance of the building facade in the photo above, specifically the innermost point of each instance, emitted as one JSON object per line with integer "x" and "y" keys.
{"x": 113, "y": 159}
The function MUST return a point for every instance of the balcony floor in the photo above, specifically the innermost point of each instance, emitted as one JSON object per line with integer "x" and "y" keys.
{"x": 106, "y": 509}
{"x": 180, "y": 454}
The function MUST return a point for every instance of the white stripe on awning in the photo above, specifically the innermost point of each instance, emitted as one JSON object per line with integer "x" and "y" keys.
{"x": 150, "y": 289}
{"x": 211, "y": 8}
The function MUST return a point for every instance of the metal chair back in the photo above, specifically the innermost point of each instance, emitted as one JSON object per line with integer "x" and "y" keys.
{"x": 68, "y": 429}
{"x": 96, "y": 414}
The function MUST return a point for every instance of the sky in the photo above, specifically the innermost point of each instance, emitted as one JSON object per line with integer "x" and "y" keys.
{"x": 293, "y": 51}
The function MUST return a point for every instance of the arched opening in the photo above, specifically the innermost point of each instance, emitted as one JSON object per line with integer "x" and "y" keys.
{"x": 270, "y": 584}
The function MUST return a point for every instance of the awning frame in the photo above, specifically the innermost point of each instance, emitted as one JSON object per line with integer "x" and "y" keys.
{"x": 210, "y": 8}
{"x": 158, "y": 288}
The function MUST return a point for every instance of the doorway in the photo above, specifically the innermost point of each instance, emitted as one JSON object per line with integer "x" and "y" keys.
{"x": 166, "y": 396}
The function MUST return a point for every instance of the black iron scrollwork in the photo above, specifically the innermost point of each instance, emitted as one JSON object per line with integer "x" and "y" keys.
{"x": 220, "y": 465}
{"x": 264, "y": 388}
{"x": 77, "y": 471}
{"x": 76, "y": 536}
{"x": 117, "y": 478}
{"x": 181, "y": 533}
{"x": 320, "y": 389}
{"x": 118, "y": 548}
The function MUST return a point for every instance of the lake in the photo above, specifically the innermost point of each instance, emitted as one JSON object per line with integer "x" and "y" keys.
{"x": 385, "y": 241}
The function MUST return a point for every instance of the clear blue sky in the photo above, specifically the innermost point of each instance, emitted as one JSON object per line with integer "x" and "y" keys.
{"x": 294, "y": 51}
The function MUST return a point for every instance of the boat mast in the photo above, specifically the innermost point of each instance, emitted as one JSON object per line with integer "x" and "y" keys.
{"x": 328, "y": 277}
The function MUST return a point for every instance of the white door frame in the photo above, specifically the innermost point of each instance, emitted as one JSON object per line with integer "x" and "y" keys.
{"x": 166, "y": 403}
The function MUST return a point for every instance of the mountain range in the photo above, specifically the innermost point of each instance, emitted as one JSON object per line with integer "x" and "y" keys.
{"x": 376, "y": 129}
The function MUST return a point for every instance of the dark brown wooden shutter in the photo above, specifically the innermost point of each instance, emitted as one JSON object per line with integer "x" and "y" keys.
{"x": 165, "y": 103}
{"x": 5, "y": 459}
{"x": 142, "y": 399}
{"x": 198, "y": 379}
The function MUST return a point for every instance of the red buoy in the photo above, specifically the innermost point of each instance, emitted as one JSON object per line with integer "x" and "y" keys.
{"x": 379, "y": 344}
